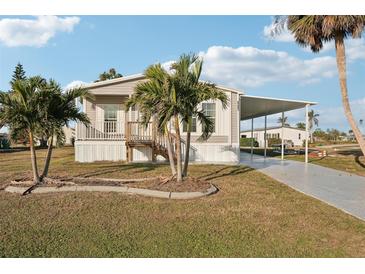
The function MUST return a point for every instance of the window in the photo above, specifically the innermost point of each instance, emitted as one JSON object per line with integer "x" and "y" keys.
{"x": 110, "y": 118}
{"x": 193, "y": 125}
{"x": 209, "y": 111}
{"x": 299, "y": 136}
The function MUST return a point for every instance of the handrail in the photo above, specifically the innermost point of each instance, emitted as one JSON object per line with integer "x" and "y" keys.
{"x": 107, "y": 130}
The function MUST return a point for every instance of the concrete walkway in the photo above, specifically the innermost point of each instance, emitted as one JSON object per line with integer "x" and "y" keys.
{"x": 339, "y": 189}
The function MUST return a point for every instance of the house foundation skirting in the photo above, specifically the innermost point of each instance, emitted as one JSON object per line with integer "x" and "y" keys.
{"x": 110, "y": 150}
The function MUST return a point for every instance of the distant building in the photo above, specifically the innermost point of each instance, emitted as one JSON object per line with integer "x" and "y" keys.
{"x": 69, "y": 135}
{"x": 292, "y": 135}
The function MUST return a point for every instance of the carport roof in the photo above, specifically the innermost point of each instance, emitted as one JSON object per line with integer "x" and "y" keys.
{"x": 255, "y": 106}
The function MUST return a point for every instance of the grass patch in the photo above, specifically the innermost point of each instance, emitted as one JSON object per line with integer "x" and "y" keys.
{"x": 251, "y": 216}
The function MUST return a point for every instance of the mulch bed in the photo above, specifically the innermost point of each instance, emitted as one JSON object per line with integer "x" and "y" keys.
{"x": 189, "y": 184}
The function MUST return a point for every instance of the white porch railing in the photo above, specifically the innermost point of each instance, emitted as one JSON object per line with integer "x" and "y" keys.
{"x": 107, "y": 130}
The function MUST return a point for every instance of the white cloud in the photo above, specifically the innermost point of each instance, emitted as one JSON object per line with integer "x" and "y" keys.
{"x": 34, "y": 32}
{"x": 251, "y": 67}
{"x": 272, "y": 32}
{"x": 334, "y": 117}
{"x": 355, "y": 47}
{"x": 74, "y": 84}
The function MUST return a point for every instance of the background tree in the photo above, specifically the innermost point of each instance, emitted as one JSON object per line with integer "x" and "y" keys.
{"x": 107, "y": 75}
{"x": 300, "y": 125}
{"x": 285, "y": 122}
{"x": 320, "y": 134}
{"x": 312, "y": 120}
{"x": 18, "y": 74}
{"x": 314, "y": 31}
{"x": 193, "y": 92}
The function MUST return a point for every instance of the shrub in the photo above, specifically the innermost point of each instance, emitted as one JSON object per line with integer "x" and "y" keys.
{"x": 273, "y": 141}
{"x": 246, "y": 142}
{"x": 4, "y": 144}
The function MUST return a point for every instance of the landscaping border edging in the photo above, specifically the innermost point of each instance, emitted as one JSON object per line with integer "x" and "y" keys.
{"x": 121, "y": 189}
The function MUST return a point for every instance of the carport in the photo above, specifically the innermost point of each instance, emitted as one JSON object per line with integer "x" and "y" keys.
{"x": 252, "y": 107}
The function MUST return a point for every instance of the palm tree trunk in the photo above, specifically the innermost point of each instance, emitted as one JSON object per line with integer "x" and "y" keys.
{"x": 33, "y": 158}
{"x": 169, "y": 152}
{"x": 187, "y": 148}
{"x": 178, "y": 150}
{"x": 341, "y": 66}
{"x": 48, "y": 159}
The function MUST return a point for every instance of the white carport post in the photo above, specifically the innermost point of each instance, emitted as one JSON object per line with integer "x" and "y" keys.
{"x": 282, "y": 135}
{"x": 251, "y": 137}
{"x": 306, "y": 132}
{"x": 265, "y": 137}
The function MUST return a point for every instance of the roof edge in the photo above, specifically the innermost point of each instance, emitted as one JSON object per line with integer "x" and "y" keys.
{"x": 280, "y": 99}
{"x": 140, "y": 76}
{"x": 115, "y": 81}
{"x": 274, "y": 127}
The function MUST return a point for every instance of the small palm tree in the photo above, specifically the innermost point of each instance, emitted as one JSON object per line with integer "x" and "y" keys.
{"x": 314, "y": 30}
{"x": 283, "y": 122}
{"x": 21, "y": 111}
{"x": 37, "y": 107}
{"x": 154, "y": 100}
{"x": 172, "y": 98}
{"x": 193, "y": 92}
{"x": 59, "y": 110}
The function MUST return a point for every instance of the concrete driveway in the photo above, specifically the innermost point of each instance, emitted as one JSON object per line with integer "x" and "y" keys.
{"x": 339, "y": 189}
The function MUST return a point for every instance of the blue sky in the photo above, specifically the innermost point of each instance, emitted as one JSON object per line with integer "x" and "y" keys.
{"x": 237, "y": 51}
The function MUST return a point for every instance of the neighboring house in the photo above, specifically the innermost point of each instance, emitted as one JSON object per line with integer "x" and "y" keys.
{"x": 70, "y": 135}
{"x": 292, "y": 135}
{"x": 4, "y": 135}
{"x": 4, "y": 140}
{"x": 116, "y": 134}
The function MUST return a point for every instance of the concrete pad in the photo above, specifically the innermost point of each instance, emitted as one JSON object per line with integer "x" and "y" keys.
{"x": 340, "y": 189}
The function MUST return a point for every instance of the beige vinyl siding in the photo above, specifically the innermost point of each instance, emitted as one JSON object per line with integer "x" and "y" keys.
{"x": 110, "y": 99}
{"x": 212, "y": 139}
{"x": 90, "y": 110}
{"x": 234, "y": 118}
{"x": 124, "y": 88}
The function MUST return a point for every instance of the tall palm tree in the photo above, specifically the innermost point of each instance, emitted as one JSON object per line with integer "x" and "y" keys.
{"x": 283, "y": 122}
{"x": 314, "y": 30}
{"x": 193, "y": 92}
{"x": 312, "y": 120}
{"x": 21, "y": 111}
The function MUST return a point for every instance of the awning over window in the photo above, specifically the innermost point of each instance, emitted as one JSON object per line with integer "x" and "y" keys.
{"x": 255, "y": 106}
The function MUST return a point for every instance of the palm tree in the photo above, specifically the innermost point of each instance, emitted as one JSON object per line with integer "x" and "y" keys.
{"x": 21, "y": 111}
{"x": 193, "y": 92}
{"x": 283, "y": 122}
{"x": 60, "y": 109}
{"x": 312, "y": 120}
{"x": 154, "y": 100}
{"x": 314, "y": 30}
{"x": 172, "y": 98}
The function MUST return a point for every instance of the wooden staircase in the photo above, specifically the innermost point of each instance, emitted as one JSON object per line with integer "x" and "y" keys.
{"x": 138, "y": 135}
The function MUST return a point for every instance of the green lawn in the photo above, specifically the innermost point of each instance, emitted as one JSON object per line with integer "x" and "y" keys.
{"x": 251, "y": 216}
